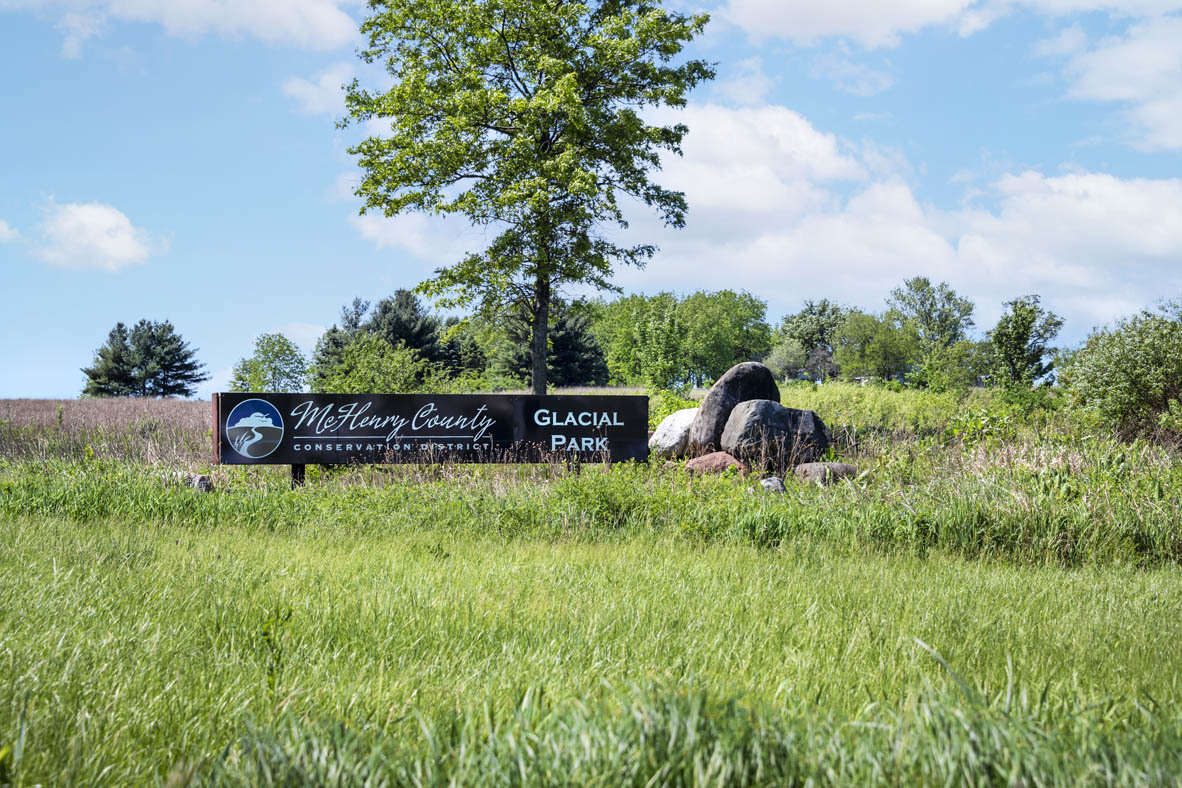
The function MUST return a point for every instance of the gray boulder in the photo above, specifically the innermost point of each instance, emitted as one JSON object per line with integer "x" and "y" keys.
{"x": 742, "y": 382}
{"x": 825, "y": 472}
{"x": 765, "y": 433}
{"x": 672, "y": 434}
{"x": 198, "y": 481}
{"x": 773, "y": 484}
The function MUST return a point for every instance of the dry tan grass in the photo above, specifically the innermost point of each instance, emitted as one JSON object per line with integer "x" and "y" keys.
{"x": 172, "y": 431}
{"x": 110, "y": 413}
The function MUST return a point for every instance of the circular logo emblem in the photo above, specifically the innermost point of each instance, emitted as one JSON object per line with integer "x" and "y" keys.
{"x": 254, "y": 428}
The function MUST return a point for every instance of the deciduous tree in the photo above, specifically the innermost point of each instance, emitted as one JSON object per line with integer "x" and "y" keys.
{"x": 276, "y": 365}
{"x": 1020, "y": 342}
{"x": 525, "y": 116}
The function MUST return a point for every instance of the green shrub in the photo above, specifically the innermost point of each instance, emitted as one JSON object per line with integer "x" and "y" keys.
{"x": 1130, "y": 376}
{"x": 663, "y": 402}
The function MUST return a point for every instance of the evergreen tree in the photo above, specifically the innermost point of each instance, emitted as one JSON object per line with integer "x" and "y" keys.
{"x": 328, "y": 354}
{"x": 461, "y": 349}
{"x": 402, "y": 318}
{"x": 111, "y": 374}
{"x": 573, "y": 356}
{"x": 149, "y": 361}
{"x": 165, "y": 365}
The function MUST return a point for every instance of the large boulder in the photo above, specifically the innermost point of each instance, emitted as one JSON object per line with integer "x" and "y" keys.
{"x": 716, "y": 462}
{"x": 742, "y": 382}
{"x": 672, "y": 434}
{"x": 765, "y": 433}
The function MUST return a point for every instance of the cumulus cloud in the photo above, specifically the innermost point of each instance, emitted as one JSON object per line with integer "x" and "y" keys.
{"x": 745, "y": 84}
{"x": 94, "y": 236}
{"x": 874, "y": 23}
{"x": 314, "y": 24}
{"x": 323, "y": 95}
{"x": 1096, "y": 245}
{"x": 7, "y": 233}
{"x": 788, "y": 212}
{"x": 1142, "y": 70}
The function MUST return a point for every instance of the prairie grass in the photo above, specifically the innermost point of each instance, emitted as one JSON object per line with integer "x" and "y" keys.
{"x": 133, "y": 651}
{"x": 993, "y": 600}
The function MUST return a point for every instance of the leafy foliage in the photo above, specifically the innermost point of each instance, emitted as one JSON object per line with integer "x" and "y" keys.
{"x": 662, "y": 341}
{"x": 1131, "y": 375}
{"x": 941, "y": 317}
{"x": 277, "y": 365}
{"x": 371, "y": 365}
{"x": 151, "y": 360}
{"x": 814, "y": 326}
{"x": 874, "y": 346}
{"x": 787, "y": 359}
{"x": 526, "y": 116}
{"x": 1020, "y": 342}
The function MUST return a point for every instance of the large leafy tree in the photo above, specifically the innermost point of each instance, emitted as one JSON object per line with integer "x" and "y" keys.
{"x": 1020, "y": 342}
{"x": 150, "y": 360}
{"x": 941, "y": 317}
{"x": 814, "y": 325}
{"x": 873, "y": 346}
{"x": 276, "y": 365}
{"x": 721, "y": 328}
{"x": 1131, "y": 374}
{"x": 525, "y": 116}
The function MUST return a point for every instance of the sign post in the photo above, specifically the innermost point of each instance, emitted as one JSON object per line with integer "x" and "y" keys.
{"x": 340, "y": 429}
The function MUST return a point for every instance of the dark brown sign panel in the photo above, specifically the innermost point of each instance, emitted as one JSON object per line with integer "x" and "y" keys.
{"x": 332, "y": 429}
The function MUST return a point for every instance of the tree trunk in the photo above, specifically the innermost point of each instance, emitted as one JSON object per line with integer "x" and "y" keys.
{"x": 540, "y": 329}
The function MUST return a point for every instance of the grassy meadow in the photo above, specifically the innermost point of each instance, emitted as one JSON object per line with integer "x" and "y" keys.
{"x": 994, "y": 600}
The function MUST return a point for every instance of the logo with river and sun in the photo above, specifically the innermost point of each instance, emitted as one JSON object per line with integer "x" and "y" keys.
{"x": 254, "y": 428}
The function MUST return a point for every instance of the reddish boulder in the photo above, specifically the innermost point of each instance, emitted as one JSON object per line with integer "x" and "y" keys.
{"x": 716, "y": 462}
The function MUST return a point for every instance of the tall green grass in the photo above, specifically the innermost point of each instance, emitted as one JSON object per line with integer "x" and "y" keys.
{"x": 1094, "y": 504}
{"x": 237, "y": 654}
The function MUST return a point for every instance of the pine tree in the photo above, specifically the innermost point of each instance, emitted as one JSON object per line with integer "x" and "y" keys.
{"x": 149, "y": 361}
{"x": 403, "y": 319}
{"x": 573, "y": 357}
{"x": 111, "y": 375}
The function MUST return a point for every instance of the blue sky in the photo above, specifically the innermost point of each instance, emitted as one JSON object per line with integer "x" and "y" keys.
{"x": 178, "y": 159}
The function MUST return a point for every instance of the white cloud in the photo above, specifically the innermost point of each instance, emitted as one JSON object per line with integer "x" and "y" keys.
{"x": 323, "y": 96}
{"x": 851, "y": 77}
{"x": 314, "y": 24}
{"x": 1141, "y": 69}
{"x": 873, "y": 23}
{"x": 747, "y": 84}
{"x": 79, "y": 28}
{"x": 1095, "y": 246}
{"x": 94, "y": 236}
{"x": 879, "y": 23}
{"x": 7, "y": 233}
{"x": 435, "y": 240}
{"x": 789, "y": 212}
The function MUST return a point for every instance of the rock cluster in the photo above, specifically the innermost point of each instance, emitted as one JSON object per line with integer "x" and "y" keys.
{"x": 741, "y": 424}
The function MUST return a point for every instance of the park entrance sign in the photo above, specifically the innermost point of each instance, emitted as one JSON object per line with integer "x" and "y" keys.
{"x": 339, "y": 429}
